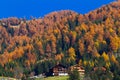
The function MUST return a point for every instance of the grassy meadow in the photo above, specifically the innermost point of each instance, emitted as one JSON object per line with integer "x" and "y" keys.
{"x": 7, "y": 78}
{"x": 55, "y": 78}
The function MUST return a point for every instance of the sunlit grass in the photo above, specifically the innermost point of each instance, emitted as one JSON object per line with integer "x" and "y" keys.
{"x": 7, "y": 78}
{"x": 55, "y": 78}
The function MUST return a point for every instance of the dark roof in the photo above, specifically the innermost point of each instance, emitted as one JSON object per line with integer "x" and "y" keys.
{"x": 59, "y": 65}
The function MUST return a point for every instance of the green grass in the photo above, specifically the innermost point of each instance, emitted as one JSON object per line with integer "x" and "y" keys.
{"x": 55, "y": 78}
{"x": 7, "y": 78}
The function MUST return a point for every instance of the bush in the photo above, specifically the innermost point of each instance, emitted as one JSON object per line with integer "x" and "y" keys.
{"x": 101, "y": 75}
{"x": 74, "y": 75}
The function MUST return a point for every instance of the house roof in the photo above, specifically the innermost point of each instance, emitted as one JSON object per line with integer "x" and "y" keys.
{"x": 80, "y": 68}
{"x": 101, "y": 68}
{"x": 59, "y": 65}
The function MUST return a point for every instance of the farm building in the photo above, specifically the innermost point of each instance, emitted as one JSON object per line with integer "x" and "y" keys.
{"x": 79, "y": 68}
{"x": 59, "y": 70}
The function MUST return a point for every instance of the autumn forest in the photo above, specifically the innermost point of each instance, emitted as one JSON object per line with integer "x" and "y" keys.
{"x": 32, "y": 47}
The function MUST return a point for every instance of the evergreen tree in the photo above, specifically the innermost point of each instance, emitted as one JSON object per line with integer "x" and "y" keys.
{"x": 74, "y": 75}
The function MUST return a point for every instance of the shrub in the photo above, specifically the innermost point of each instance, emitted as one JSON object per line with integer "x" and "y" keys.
{"x": 74, "y": 75}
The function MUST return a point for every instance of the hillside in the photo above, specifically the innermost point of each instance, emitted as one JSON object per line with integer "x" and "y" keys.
{"x": 33, "y": 47}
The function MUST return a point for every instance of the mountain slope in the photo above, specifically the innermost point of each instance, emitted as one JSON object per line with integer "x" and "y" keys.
{"x": 64, "y": 37}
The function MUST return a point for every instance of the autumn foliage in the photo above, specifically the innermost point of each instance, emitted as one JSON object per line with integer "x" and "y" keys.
{"x": 61, "y": 35}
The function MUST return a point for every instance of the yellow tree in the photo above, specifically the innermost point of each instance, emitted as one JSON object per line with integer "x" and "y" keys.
{"x": 113, "y": 59}
{"x": 73, "y": 36}
{"x": 71, "y": 53}
{"x": 105, "y": 56}
{"x": 59, "y": 56}
{"x": 115, "y": 42}
{"x": 40, "y": 47}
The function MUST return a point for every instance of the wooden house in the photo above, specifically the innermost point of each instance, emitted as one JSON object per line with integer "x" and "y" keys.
{"x": 59, "y": 70}
{"x": 79, "y": 68}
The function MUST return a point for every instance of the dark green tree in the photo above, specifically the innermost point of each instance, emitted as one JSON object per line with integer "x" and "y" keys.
{"x": 74, "y": 75}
